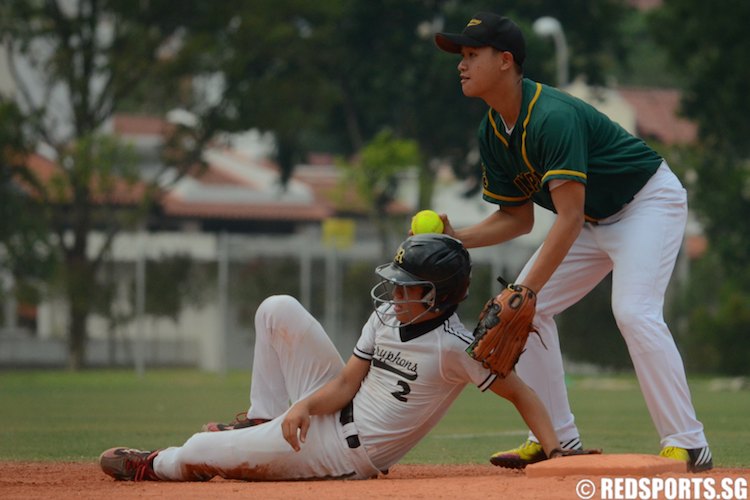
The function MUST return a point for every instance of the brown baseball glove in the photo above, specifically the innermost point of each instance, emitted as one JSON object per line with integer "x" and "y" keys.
{"x": 503, "y": 328}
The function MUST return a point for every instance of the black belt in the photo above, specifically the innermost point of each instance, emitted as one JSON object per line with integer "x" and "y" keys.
{"x": 347, "y": 417}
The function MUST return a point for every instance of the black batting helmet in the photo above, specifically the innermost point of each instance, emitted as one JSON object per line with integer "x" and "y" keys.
{"x": 436, "y": 261}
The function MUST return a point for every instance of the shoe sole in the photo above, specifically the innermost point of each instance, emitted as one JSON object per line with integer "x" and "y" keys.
{"x": 512, "y": 463}
{"x": 112, "y": 464}
{"x": 700, "y": 468}
{"x": 701, "y": 454}
{"x": 110, "y": 468}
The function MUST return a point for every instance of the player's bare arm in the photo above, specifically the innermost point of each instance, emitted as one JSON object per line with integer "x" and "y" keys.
{"x": 500, "y": 226}
{"x": 530, "y": 408}
{"x": 330, "y": 398}
{"x": 568, "y": 199}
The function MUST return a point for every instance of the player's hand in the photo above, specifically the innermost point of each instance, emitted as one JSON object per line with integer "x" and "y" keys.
{"x": 447, "y": 228}
{"x": 295, "y": 425}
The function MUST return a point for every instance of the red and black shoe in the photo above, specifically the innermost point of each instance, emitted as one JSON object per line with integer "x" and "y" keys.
{"x": 129, "y": 464}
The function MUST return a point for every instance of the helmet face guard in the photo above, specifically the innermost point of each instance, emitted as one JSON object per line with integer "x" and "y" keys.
{"x": 389, "y": 307}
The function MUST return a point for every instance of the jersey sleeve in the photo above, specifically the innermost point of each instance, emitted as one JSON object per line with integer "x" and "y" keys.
{"x": 457, "y": 366}
{"x": 365, "y": 347}
{"x": 561, "y": 142}
{"x": 461, "y": 368}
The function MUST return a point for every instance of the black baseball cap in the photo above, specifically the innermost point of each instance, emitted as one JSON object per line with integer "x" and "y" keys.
{"x": 486, "y": 29}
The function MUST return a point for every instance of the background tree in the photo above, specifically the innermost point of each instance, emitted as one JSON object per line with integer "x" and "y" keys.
{"x": 267, "y": 64}
{"x": 24, "y": 252}
{"x": 705, "y": 42}
{"x": 596, "y": 32}
{"x": 73, "y": 63}
{"x": 373, "y": 175}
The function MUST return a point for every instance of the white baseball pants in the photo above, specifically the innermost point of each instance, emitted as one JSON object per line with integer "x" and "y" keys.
{"x": 639, "y": 245}
{"x": 293, "y": 358}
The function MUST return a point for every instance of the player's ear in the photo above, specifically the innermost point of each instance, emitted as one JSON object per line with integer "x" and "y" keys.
{"x": 507, "y": 60}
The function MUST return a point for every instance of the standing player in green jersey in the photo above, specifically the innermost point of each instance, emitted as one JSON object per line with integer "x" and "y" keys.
{"x": 619, "y": 209}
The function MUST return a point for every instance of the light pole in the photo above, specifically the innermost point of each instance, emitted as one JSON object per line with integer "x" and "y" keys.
{"x": 549, "y": 26}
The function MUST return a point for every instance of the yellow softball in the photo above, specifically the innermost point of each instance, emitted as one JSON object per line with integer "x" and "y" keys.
{"x": 426, "y": 221}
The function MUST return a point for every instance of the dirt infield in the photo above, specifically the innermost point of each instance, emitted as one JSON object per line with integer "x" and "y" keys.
{"x": 24, "y": 480}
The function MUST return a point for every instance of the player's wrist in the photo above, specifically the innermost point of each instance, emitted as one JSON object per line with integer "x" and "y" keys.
{"x": 521, "y": 286}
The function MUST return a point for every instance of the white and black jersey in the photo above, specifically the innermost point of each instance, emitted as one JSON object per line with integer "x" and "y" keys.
{"x": 416, "y": 372}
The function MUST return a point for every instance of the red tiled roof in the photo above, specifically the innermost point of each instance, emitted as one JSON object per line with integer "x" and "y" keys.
{"x": 176, "y": 207}
{"x": 264, "y": 163}
{"x": 120, "y": 192}
{"x": 645, "y": 4}
{"x": 124, "y": 124}
{"x": 324, "y": 180}
{"x": 216, "y": 176}
{"x": 43, "y": 168}
{"x": 324, "y": 183}
{"x": 657, "y": 115}
{"x": 212, "y": 176}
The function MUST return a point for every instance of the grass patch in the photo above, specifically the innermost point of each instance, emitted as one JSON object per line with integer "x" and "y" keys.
{"x": 61, "y": 416}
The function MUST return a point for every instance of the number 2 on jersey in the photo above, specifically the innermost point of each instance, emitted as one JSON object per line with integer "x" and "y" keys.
{"x": 405, "y": 389}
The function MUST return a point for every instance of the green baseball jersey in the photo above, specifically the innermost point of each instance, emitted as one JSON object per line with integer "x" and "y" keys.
{"x": 558, "y": 136}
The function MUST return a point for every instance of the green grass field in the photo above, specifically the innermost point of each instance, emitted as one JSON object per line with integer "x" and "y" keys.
{"x": 63, "y": 416}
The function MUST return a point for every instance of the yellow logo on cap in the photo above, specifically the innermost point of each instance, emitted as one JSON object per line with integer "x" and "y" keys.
{"x": 400, "y": 255}
{"x": 474, "y": 22}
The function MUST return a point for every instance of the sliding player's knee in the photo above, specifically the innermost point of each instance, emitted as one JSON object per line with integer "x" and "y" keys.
{"x": 277, "y": 304}
{"x": 275, "y": 308}
{"x": 276, "y": 311}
